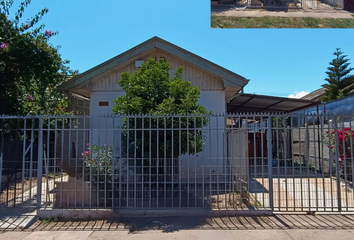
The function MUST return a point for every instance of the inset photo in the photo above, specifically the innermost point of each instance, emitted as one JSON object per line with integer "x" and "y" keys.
{"x": 282, "y": 14}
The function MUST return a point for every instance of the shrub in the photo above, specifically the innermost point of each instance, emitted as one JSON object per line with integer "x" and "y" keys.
{"x": 345, "y": 139}
{"x": 98, "y": 162}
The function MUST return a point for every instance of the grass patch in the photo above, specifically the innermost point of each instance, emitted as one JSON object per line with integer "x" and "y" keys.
{"x": 280, "y": 22}
{"x": 49, "y": 220}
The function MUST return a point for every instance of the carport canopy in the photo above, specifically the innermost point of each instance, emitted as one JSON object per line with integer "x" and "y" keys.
{"x": 252, "y": 103}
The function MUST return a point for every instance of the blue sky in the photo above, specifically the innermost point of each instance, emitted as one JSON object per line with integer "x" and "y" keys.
{"x": 278, "y": 62}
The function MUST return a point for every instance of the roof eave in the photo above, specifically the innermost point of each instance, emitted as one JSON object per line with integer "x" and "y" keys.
{"x": 105, "y": 66}
{"x": 230, "y": 79}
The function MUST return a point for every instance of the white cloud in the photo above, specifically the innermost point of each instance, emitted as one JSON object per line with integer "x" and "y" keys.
{"x": 298, "y": 94}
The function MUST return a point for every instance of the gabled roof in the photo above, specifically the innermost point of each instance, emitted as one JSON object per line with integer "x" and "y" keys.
{"x": 315, "y": 95}
{"x": 229, "y": 78}
{"x": 321, "y": 92}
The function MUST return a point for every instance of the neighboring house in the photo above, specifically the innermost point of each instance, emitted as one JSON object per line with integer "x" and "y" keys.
{"x": 315, "y": 95}
{"x": 343, "y": 105}
{"x": 318, "y": 94}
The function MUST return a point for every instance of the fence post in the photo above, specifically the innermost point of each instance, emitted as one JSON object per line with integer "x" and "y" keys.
{"x": 1, "y": 150}
{"x": 39, "y": 163}
{"x": 339, "y": 198}
{"x": 270, "y": 161}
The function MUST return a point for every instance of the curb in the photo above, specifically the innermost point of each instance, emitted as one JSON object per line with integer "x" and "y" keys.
{"x": 99, "y": 214}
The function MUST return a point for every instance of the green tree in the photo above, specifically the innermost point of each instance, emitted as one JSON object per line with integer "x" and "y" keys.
{"x": 177, "y": 119}
{"x": 340, "y": 82}
{"x": 30, "y": 67}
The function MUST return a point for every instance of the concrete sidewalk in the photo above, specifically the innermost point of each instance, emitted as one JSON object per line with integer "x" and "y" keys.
{"x": 234, "y": 12}
{"x": 279, "y": 226}
{"x": 16, "y": 218}
{"x": 344, "y": 234}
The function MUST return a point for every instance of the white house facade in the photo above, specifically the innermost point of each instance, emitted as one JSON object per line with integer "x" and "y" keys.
{"x": 100, "y": 85}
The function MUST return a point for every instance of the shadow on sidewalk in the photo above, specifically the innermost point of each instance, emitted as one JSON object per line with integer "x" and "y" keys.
{"x": 16, "y": 218}
{"x": 172, "y": 224}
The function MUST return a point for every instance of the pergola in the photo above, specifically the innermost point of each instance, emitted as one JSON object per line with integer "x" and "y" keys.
{"x": 252, "y": 103}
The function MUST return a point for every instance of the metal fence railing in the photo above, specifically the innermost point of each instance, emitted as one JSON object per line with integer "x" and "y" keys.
{"x": 313, "y": 4}
{"x": 248, "y": 161}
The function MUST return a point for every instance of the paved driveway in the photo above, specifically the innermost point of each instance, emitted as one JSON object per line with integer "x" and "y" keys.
{"x": 294, "y": 190}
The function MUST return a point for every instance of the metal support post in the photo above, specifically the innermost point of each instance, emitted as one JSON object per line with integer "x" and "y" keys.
{"x": 39, "y": 163}
{"x": 337, "y": 165}
{"x": 270, "y": 161}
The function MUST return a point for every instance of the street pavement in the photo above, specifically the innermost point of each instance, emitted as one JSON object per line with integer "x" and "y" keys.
{"x": 185, "y": 234}
{"x": 278, "y": 226}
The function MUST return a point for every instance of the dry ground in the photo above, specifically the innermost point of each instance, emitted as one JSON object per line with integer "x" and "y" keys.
{"x": 226, "y": 17}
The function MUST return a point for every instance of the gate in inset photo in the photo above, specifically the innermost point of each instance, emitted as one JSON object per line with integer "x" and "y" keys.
{"x": 306, "y": 4}
{"x": 349, "y": 5}
{"x": 226, "y": 2}
{"x": 275, "y": 3}
{"x": 322, "y": 4}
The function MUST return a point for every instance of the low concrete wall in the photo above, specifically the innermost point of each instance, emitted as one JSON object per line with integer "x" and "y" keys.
{"x": 74, "y": 193}
{"x": 99, "y": 214}
{"x": 335, "y": 3}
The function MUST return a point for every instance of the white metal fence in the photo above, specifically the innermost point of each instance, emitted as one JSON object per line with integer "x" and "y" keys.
{"x": 246, "y": 161}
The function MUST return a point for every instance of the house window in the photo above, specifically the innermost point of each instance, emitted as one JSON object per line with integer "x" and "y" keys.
{"x": 139, "y": 63}
{"x": 103, "y": 104}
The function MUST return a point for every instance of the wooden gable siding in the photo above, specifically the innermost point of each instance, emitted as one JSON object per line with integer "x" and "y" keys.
{"x": 206, "y": 81}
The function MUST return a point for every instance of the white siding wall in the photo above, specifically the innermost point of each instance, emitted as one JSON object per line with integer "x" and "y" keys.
{"x": 96, "y": 97}
{"x": 104, "y": 130}
{"x": 213, "y": 101}
{"x": 105, "y": 88}
{"x": 204, "y": 80}
{"x": 213, "y": 155}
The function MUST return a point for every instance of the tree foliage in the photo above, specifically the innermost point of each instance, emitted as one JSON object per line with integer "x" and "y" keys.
{"x": 30, "y": 67}
{"x": 150, "y": 90}
{"x": 175, "y": 127}
{"x": 340, "y": 82}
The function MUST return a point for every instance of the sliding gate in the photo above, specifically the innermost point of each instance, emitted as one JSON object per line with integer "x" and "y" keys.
{"x": 307, "y": 164}
{"x": 19, "y": 165}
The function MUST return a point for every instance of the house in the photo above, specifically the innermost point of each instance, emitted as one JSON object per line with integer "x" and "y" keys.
{"x": 114, "y": 178}
{"x": 221, "y": 92}
{"x": 100, "y": 85}
{"x": 315, "y": 95}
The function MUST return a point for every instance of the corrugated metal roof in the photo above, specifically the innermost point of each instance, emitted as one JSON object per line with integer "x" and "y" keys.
{"x": 253, "y": 103}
